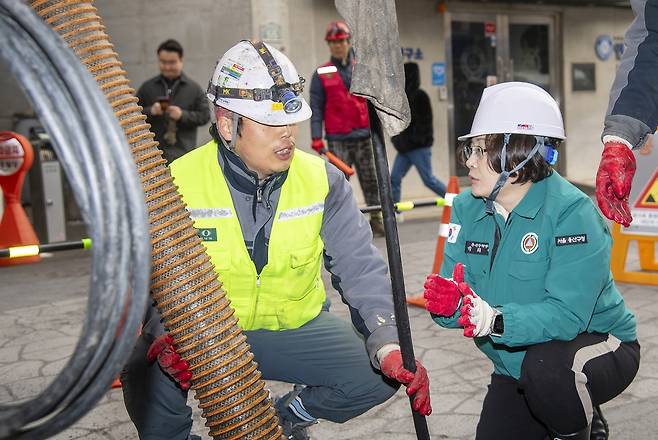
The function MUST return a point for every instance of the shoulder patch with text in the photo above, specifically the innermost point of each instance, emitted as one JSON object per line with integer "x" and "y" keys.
{"x": 568, "y": 240}
{"x": 476, "y": 248}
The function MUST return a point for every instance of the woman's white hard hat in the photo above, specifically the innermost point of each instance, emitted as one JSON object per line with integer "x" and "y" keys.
{"x": 517, "y": 108}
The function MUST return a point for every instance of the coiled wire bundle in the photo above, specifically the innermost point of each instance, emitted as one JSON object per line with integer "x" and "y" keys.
{"x": 184, "y": 285}
{"x": 96, "y": 158}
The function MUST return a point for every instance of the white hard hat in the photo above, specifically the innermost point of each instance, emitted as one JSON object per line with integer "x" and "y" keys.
{"x": 257, "y": 81}
{"x": 517, "y": 108}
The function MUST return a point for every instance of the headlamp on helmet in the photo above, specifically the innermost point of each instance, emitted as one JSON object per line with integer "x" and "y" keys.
{"x": 288, "y": 95}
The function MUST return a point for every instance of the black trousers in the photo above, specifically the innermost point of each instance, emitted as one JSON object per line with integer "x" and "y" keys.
{"x": 560, "y": 383}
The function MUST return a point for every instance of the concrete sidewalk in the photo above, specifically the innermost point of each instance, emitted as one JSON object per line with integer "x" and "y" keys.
{"x": 43, "y": 307}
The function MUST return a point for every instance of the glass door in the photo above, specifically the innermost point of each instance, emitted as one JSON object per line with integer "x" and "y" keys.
{"x": 471, "y": 65}
{"x": 486, "y": 49}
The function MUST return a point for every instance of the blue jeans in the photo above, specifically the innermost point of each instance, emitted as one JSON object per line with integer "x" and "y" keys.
{"x": 421, "y": 158}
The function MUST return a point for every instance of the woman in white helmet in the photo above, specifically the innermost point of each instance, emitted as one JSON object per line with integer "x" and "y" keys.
{"x": 270, "y": 215}
{"x": 526, "y": 274}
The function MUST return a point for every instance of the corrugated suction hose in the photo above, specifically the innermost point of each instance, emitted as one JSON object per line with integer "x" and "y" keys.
{"x": 232, "y": 396}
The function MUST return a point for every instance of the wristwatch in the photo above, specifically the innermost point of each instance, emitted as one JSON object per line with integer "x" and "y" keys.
{"x": 498, "y": 325}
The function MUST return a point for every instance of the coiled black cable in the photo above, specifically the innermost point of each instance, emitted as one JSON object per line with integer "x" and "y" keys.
{"x": 97, "y": 160}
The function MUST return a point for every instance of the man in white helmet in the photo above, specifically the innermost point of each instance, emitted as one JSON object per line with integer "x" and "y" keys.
{"x": 526, "y": 274}
{"x": 275, "y": 214}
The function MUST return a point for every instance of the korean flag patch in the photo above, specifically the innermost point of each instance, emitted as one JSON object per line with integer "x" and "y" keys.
{"x": 453, "y": 232}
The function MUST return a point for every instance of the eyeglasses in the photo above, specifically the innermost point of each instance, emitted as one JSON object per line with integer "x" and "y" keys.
{"x": 468, "y": 150}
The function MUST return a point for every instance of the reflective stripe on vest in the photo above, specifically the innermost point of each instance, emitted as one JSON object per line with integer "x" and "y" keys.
{"x": 343, "y": 112}
{"x": 289, "y": 291}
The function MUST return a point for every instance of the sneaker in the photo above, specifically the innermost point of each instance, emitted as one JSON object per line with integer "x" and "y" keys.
{"x": 294, "y": 428}
{"x": 295, "y": 431}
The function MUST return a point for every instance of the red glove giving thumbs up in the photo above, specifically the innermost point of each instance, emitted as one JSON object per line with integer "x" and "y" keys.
{"x": 442, "y": 294}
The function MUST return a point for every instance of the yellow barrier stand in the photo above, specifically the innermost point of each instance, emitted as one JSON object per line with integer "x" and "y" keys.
{"x": 646, "y": 247}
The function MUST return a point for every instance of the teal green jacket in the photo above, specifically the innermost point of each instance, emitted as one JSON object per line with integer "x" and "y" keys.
{"x": 551, "y": 273}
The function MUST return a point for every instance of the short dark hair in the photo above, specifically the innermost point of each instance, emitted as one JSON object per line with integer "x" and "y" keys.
{"x": 171, "y": 45}
{"x": 517, "y": 150}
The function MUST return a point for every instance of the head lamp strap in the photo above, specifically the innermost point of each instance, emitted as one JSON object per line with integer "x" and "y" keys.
{"x": 273, "y": 67}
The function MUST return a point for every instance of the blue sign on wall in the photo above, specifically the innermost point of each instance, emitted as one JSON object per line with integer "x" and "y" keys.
{"x": 411, "y": 53}
{"x": 603, "y": 47}
{"x": 438, "y": 74}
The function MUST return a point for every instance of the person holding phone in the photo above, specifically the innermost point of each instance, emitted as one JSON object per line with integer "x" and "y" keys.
{"x": 174, "y": 104}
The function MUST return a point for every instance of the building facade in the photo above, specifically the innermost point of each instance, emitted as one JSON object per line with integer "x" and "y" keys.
{"x": 571, "y": 51}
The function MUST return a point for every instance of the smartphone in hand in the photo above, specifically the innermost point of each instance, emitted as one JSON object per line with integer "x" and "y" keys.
{"x": 164, "y": 102}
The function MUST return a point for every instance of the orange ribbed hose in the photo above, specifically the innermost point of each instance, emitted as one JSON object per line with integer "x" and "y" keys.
{"x": 232, "y": 396}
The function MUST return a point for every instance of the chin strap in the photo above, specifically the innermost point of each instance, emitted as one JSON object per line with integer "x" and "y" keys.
{"x": 504, "y": 175}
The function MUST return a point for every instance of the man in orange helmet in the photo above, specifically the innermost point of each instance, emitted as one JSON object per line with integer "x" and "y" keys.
{"x": 345, "y": 116}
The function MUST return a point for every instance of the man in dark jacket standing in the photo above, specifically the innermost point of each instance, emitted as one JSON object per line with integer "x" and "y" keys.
{"x": 414, "y": 144}
{"x": 174, "y": 105}
{"x": 345, "y": 116}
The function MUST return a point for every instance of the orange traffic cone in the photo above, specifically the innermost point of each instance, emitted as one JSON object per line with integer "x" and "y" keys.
{"x": 451, "y": 193}
{"x": 15, "y": 228}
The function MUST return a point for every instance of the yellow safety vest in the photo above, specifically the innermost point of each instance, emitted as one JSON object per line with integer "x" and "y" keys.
{"x": 289, "y": 291}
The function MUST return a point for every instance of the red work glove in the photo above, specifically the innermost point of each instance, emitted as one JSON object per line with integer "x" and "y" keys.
{"x": 441, "y": 294}
{"x": 477, "y": 316}
{"x": 613, "y": 182}
{"x": 317, "y": 145}
{"x": 171, "y": 363}
{"x": 418, "y": 384}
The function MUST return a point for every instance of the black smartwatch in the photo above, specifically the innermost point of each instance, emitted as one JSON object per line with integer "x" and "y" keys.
{"x": 498, "y": 325}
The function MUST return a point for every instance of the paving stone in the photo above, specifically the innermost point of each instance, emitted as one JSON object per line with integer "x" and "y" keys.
{"x": 29, "y": 388}
{"x": 10, "y": 354}
{"x": 19, "y": 371}
{"x": 35, "y": 341}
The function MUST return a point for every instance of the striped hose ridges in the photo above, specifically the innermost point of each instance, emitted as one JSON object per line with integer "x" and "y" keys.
{"x": 231, "y": 394}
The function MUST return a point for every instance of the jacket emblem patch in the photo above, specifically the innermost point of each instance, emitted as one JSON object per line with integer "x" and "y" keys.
{"x": 529, "y": 243}
{"x": 207, "y": 234}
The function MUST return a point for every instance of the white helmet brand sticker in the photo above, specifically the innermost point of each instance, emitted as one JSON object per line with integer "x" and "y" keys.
{"x": 529, "y": 243}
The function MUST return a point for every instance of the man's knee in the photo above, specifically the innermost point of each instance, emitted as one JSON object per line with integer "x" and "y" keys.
{"x": 372, "y": 391}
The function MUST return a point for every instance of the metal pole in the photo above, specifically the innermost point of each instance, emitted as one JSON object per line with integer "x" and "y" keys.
{"x": 405, "y": 206}
{"x": 394, "y": 260}
{"x": 29, "y": 250}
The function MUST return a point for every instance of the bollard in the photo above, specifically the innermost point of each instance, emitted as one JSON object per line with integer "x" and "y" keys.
{"x": 15, "y": 228}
